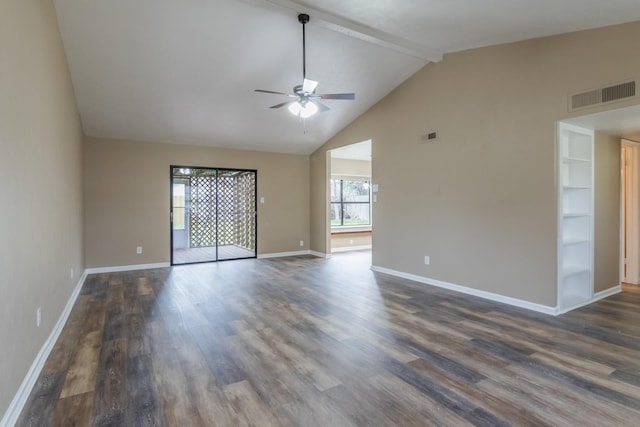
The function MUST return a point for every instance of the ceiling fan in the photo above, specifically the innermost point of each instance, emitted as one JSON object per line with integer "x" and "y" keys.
{"x": 303, "y": 101}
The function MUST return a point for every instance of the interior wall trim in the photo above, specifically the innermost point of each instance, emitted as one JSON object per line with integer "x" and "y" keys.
{"x": 283, "y": 254}
{"x": 350, "y": 248}
{"x": 470, "y": 291}
{"x": 133, "y": 267}
{"x": 596, "y": 297}
{"x": 294, "y": 253}
{"x": 320, "y": 254}
{"x": 20, "y": 399}
{"x": 115, "y": 269}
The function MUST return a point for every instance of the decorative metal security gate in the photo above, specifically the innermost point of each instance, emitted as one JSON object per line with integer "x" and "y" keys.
{"x": 213, "y": 214}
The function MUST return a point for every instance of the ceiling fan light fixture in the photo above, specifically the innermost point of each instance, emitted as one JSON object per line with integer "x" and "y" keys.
{"x": 305, "y": 111}
{"x": 301, "y": 105}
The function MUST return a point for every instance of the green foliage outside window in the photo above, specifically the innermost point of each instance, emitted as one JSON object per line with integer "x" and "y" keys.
{"x": 350, "y": 202}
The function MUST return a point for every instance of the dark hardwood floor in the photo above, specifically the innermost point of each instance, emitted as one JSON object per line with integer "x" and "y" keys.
{"x": 305, "y": 341}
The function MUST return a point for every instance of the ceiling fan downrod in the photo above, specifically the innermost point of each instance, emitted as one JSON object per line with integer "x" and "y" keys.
{"x": 304, "y": 101}
{"x": 303, "y": 18}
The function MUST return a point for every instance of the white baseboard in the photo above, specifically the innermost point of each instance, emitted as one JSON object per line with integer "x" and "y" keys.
{"x": 283, "y": 254}
{"x": 294, "y": 253}
{"x": 470, "y": 291}
{"x": 126, "y": 268}
{"x": 596, "y": 297}
{"x": 350, "y": 248}
{"x": 607, "y": 293}
{"x": 20, "y": 399}
{"x": 320, "y": 254}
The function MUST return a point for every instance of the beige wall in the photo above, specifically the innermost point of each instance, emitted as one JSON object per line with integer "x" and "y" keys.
{"x": 348, "y": 240}
{"x": 127, "y": 198}
{"x": 320, "y": 171}
{"x": 481, "y": 200}
{"x": 607, "y": 212}
{"x": 40, "y": 171}
{"x": 350, "y": 167}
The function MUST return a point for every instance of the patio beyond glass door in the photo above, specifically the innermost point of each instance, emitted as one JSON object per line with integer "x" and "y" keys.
{"x": 213, "y": 214}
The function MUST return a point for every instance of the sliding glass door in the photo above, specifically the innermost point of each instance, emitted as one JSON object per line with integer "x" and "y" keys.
{"x": 213, "y": 214}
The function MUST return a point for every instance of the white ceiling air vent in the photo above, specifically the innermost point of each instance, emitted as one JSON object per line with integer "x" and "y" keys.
{"x": 603, "y": 95}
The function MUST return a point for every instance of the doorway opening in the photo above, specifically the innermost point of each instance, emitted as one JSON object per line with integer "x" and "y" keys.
{"x": 630, "y": 213}
{"x": 213, "y": 214}
{"x": 616, "y": 221}
{"x": 350, "y": 198}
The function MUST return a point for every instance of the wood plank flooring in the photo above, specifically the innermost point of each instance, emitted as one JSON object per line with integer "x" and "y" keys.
{"x": 304, "y": 341}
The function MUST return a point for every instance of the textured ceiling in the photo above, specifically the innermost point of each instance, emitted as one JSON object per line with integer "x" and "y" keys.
{"x": 184, "y": 71}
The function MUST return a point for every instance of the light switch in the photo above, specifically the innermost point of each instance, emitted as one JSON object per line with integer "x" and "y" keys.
{"x": 261, "y": 199}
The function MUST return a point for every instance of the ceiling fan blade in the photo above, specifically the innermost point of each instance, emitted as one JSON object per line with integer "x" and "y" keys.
{"x": 303, "y": 101}
{"x": 270, "y": 91}
{"x": 309, "y": 86}
{"x": 348, "y": 96}
{"x": 282, "y": 104}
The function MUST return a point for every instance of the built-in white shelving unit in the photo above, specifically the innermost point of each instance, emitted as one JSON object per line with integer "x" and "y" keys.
{"x": 575, "y": 216}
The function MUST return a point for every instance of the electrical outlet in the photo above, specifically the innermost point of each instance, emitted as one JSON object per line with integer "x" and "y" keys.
{"x": 301, "y": 242}
{"x": 351, "y": 241}
{"x": 139, "y": 250}
{"x": 427, "y": 260}
{"x": 38, "y": 317}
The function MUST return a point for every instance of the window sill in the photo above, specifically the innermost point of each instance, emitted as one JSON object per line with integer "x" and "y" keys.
{"x": 351, "y": 229}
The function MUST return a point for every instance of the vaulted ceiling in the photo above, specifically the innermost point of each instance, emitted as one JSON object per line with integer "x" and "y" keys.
{"x": 185, "y": 71}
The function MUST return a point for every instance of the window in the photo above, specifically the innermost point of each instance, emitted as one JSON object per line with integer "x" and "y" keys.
{"x": 350, "y": 202}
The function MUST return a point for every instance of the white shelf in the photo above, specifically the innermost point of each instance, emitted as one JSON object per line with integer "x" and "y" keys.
{"x": 574, "y": 241}
{"x": 572, "y": 301}
{"x": 575, "y": 187}
{"x": 570, "y": 270}
{"x": 575, "y": 160}
{"x": 575, "y": 215}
